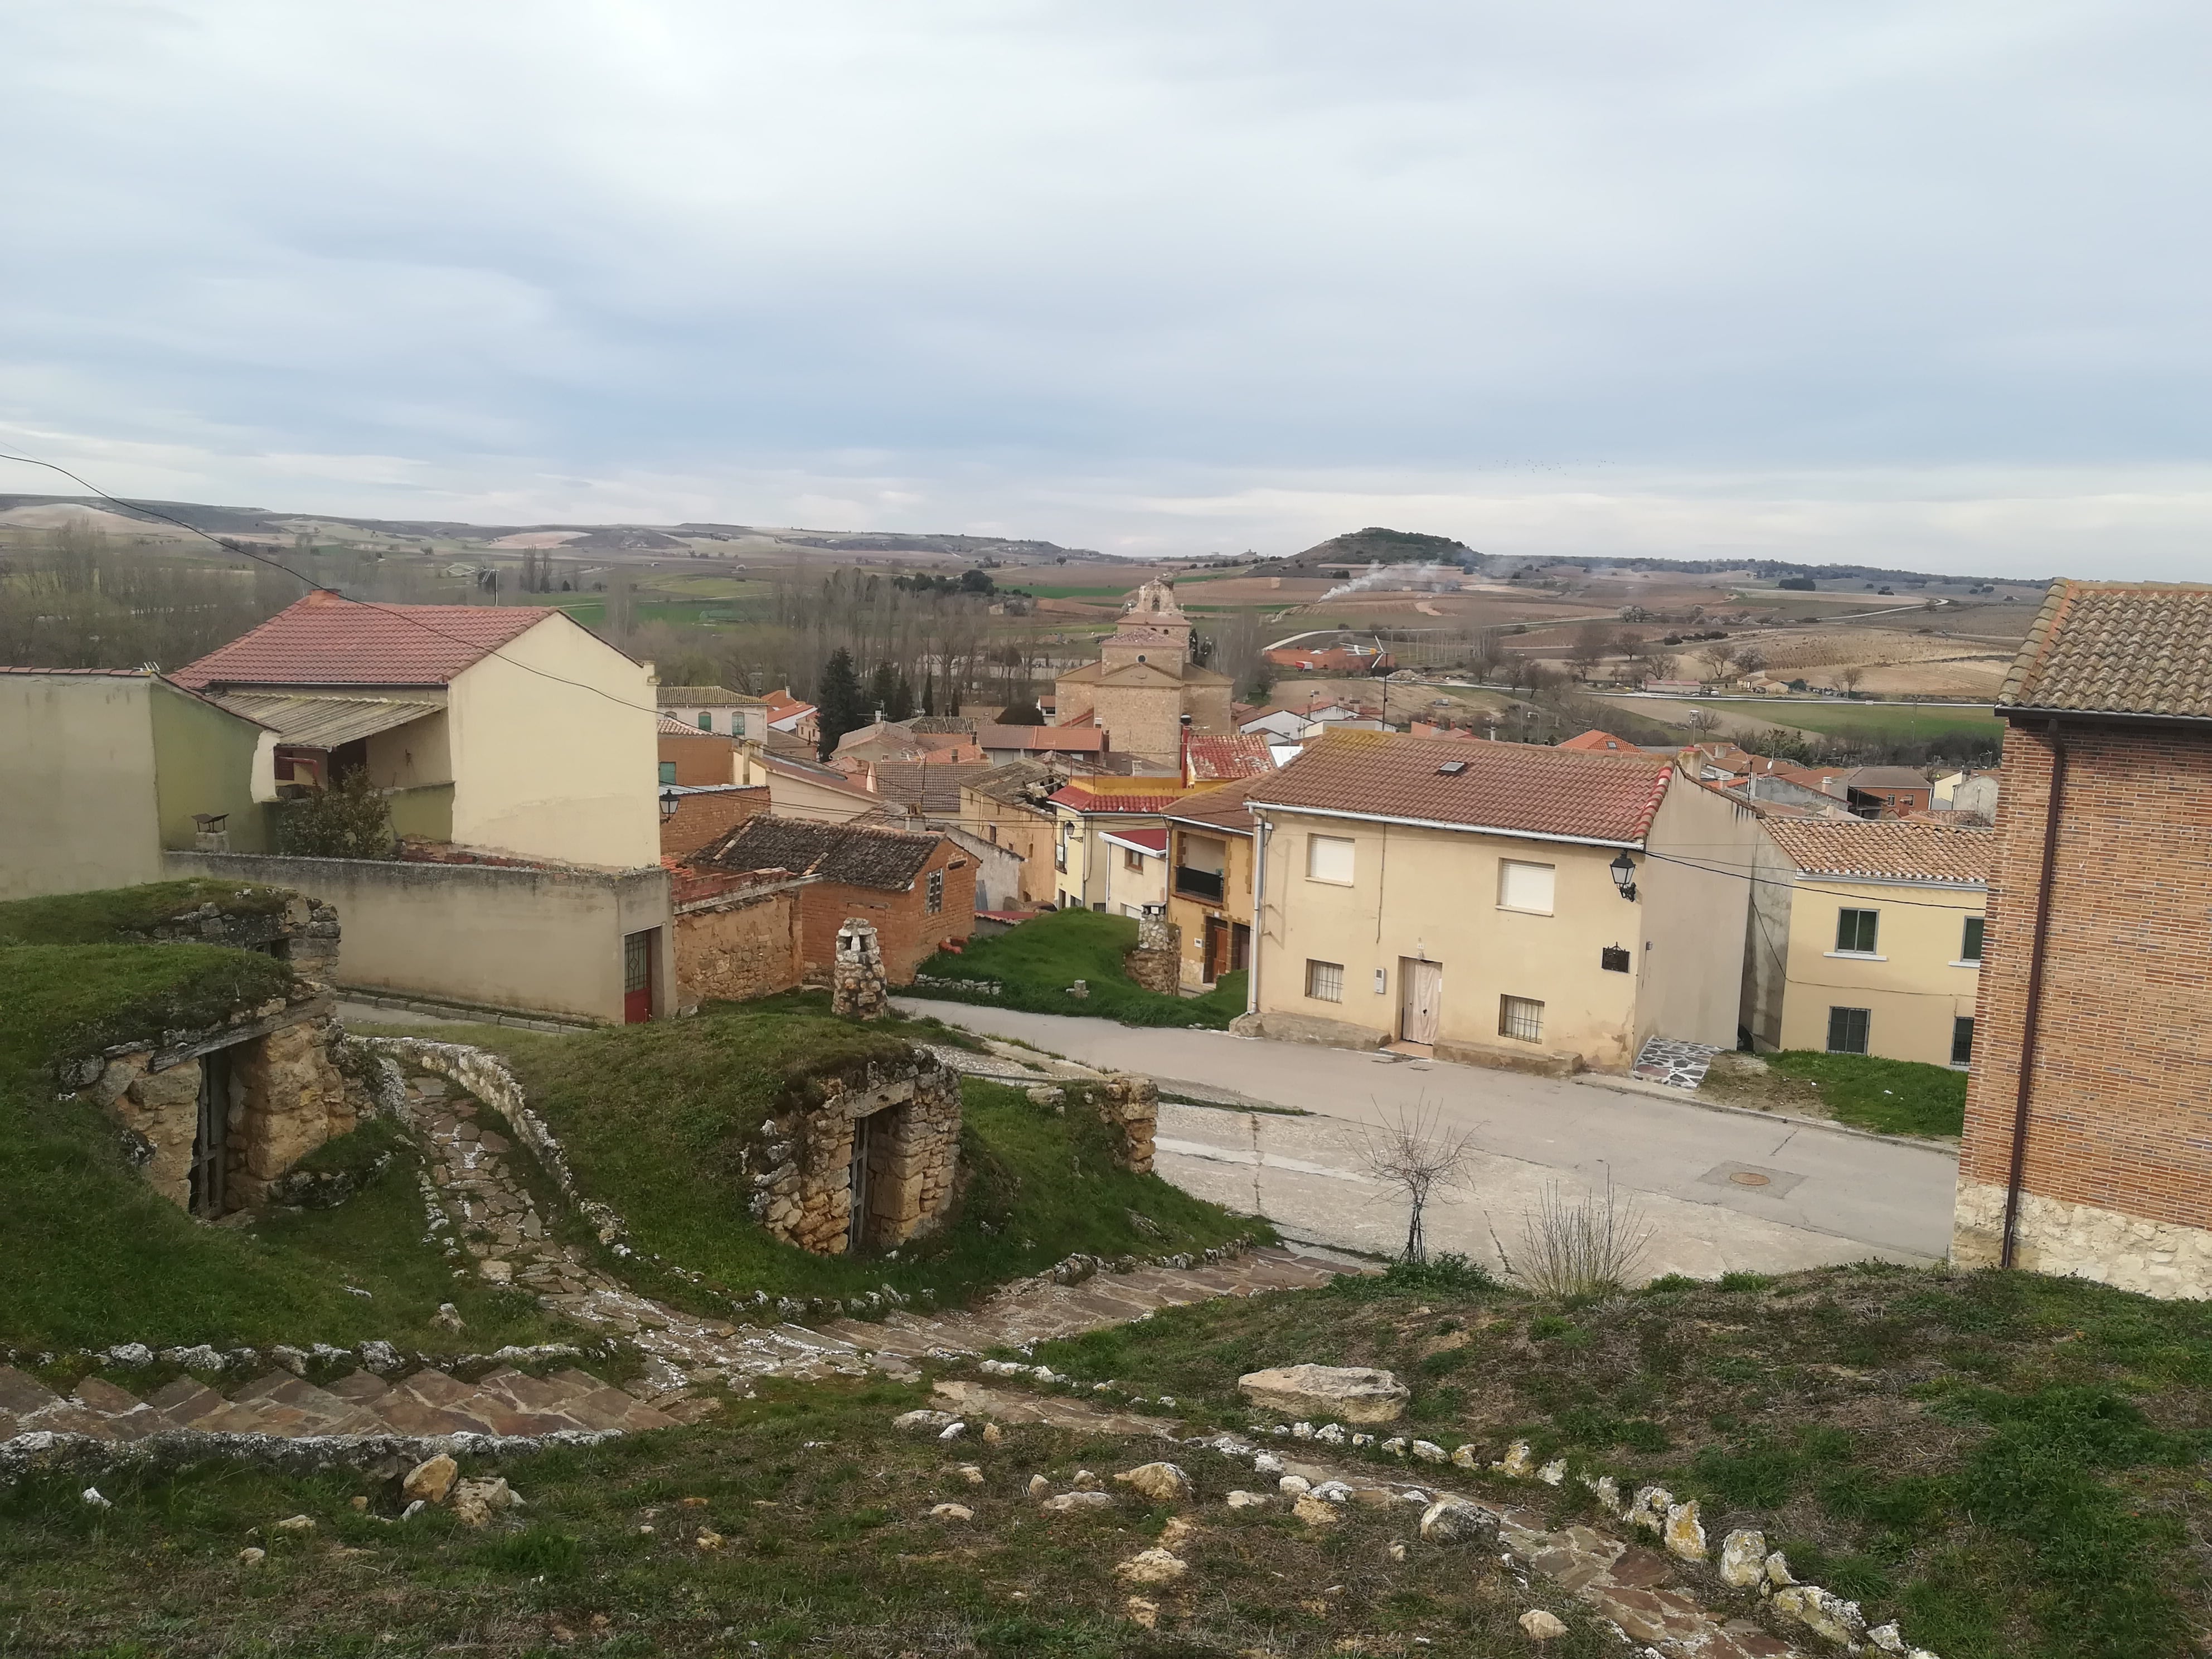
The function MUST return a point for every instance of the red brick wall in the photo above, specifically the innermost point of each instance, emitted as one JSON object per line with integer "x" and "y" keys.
{"x": 907, "y": 934}
{"x": 700, "y": 818}
{"x": 2121, "y": 1108}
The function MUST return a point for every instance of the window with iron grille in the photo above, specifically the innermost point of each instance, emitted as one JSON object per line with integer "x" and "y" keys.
{"x": 1521, "y": 1018}
{"x": 1848, "y": 1029}
{"x": 1856, "y": 930}
{"x": 1962, "y": 1040}
{"x": 1325, "y": 980}
{"x": 1970, "y": 944}
{"x": 933, "y": 891}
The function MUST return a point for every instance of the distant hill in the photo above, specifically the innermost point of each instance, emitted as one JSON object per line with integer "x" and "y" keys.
{"x": 44, "y": 511}
{"x": 1377, "y": 545}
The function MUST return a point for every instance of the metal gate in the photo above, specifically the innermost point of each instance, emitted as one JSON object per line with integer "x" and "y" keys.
{"x": 210, "y": 1149}
{"x": 856, "y": 1229}
{"x": 637, "y": 976}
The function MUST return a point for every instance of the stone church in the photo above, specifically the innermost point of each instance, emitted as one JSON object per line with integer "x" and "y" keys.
{"x": 1145, "y": 683}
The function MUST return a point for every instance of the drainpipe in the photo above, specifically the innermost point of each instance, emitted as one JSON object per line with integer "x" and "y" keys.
{"x": 1262, "y": 830}
{"x": 2032, "y": 1022}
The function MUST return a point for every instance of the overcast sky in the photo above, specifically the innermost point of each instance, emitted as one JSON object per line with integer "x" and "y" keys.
{"x": 1920, "y": 283}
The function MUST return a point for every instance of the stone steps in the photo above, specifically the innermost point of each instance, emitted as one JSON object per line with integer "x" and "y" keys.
{"x": 282, "y": 1405}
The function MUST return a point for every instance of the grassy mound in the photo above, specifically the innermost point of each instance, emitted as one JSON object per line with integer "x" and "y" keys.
{"x": 118, "y": 914}
{"x": 821, "y": 1543}
{"x": 96, "y": 1257}
{"x": 2013, "y": 1466}
{"x": 652, "y": 1118}
{"x": 1036, "y": 962}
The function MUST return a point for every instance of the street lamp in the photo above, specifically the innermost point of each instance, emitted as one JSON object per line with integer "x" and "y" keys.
{"x": 669, "y": 800}
{"x": 1624, "y": 876}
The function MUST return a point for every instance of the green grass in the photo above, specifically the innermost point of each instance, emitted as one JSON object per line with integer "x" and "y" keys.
{"x": 118, "y": 913}
{"x": 1894, "y": 1096}
{"x": 1036, "y": 962}
{"x": 95, "y": 1257}
{"x": 1876, "y": 722}
{"x": 827, "y": 1547}
{"x": 652, "y": 1118}
{"x": 2011, "y": 1465}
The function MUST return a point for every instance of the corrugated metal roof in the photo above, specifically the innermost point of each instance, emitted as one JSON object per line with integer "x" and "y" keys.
{"x": 326, "y": 722}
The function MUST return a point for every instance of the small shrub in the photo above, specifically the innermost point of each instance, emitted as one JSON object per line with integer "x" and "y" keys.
{"x": 1447, "y": 1273}
{"x": 1587, "y": 1248}
{"x": 1735, "y": 1282}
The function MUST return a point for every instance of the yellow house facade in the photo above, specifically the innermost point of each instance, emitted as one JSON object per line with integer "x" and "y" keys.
{"x": 1210, "y": 882}
{"x": 1876, "y": 929}
{"x": 1092, "y": 873}
{"x": 1499, "y": 904}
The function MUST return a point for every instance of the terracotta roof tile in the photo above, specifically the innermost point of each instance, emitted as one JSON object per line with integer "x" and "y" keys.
{"x": 1209, "y": 759}
{"x": 1222, "y": 809}
{"x": 1511, "y": 787}
{"x": 2118, "y": 648}
{"x": 1163, "y": 797}
{"x": 1044, "y": 738}
{"x": 326, "y": 640}
{"x": 930, "y": 788}
{"x": 704, "y": 696}
{"x": 858, "y": 855}
{"x": 1900, "y": 849}
{"x": 1601, "y": 742}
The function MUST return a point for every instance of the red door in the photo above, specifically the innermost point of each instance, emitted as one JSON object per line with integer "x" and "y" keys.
{"x": 637, "y": 976}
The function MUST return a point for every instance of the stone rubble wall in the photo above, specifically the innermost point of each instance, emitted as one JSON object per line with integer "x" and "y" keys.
{"x": 1129, "y": 1102}
{"x": 735, "y": 949}
{"x": 304, "y": 933}
{"x": 2083, "y": 1241}
{"x": 803, "y": 1193}
{"x": 859, "y": 984}
{"x": 1157, "y": 963}
{"x": 288, "y": 1096}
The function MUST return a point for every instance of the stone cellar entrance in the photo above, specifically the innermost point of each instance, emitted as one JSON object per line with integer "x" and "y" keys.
{"x": 869, "y": 1164}
{"x": 205, "y": 1194}
{"x": 885, "y": 1180}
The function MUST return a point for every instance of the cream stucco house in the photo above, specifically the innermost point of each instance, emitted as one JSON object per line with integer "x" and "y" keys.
{"x": 511, "y": 729}
{"x": 1109, "y": 851}
{"x": 1498, "y": 903}
{"x": 1867, "y": 937}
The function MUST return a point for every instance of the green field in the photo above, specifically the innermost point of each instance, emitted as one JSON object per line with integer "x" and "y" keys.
{"x": 1897, "y": 722}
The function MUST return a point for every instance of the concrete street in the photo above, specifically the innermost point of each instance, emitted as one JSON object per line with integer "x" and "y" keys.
{"x": 1828, "y": 1196}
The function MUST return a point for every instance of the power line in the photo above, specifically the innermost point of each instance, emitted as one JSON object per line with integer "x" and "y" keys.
{"x": 315, "y": 586}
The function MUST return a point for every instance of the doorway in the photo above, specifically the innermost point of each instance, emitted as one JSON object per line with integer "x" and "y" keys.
{"x": 212, "y": 1136}
{"x": 638, "y": 952}
{"x": 856, "y": 1176}
{"x": 1420, "y": 995}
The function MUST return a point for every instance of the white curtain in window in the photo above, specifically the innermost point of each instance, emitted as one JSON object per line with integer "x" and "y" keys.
{"x": 1329, "y": 858}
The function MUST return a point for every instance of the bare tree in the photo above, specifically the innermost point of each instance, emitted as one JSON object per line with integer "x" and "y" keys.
{"x": 1701, "y": 720}
{"x": 1592, "y": 1247}
{"x": 1847, "y": 678}
{"x": 1749, "y": 661}
{"x": 1592, "y": 641}
{"x": 1720, "y": 656}
{"x": 1410, "y": 1151}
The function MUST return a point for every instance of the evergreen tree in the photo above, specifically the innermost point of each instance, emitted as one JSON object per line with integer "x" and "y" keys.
{"x": 882, "y": 691}
{"x": 901, "y": 705}
{"x": 929, "y": 690}
{"x": 838, "y": 704}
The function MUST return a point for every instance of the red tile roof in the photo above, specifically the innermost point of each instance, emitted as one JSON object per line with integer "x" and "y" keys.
{"x": 1511, "y": 787}
{"x": 1900, "y": 849}
{"x": 326, "y": 640}
{"x": 2117, "y": 648}
{"x": 1601, "y": 742}
{"x": 1220, "y": 759}
{"x": 1073, "y": 740}
{"x": 1221, "y": 809}
{"x": 1153, "y": 841}
{"x": 1087, "y": 800}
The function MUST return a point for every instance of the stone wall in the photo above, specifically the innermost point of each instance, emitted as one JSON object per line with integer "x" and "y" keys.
{"x": 1130, "y": 1104}
{"x": 304, "y": 932}
{"x": 738, "y": 946}
{"x": 803, "y": 1193}
{"x": 857, "y": 987}
{"x": 286, "y": 1096}
{"x": 2083, "y": 1241}
{"x": 1157, "y": 963}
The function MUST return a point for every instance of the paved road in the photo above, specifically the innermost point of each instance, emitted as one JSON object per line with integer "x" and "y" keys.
{"x": 1829, "y": 1196}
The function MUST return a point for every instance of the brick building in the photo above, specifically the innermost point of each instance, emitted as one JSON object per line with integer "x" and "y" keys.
{"x": 2089, "y": 1138}
{"x": 919, "y": 891}
{"x": 690, "y": 816}
{"x": 690, "y": 756}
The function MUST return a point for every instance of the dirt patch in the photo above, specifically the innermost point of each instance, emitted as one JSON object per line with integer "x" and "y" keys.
{"x": 1746, "y": 1080}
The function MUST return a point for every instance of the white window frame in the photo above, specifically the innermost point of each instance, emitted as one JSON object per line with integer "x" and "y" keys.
{"x": 1550, "y": 879}
{"x": 1315, "y": 858}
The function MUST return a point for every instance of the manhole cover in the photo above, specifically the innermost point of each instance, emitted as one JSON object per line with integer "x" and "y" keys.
{"x": 1750, "y": 1178}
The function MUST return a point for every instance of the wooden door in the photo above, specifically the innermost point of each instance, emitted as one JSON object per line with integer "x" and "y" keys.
{"x": 856, "y": 1176}
{"x": 211, "y": 1134}
{"x": 1216, "y": 933}
{"x": 1420, "y": 995}
{"x": 637, "y": 976}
